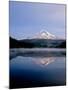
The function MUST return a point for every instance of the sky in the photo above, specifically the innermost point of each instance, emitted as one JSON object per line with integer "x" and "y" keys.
{"x": 27, "y": 18}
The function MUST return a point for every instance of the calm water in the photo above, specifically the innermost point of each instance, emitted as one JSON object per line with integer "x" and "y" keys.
{"x": 37, "y": 67}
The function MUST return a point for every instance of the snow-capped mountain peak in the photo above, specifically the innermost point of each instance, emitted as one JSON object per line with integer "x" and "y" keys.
{"x": 45, "y": 35}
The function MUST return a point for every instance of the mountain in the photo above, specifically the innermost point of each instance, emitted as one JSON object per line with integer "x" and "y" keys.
{"x": 37, "y": 43}
{"x": 13, "y": 43}
{"x": 44, "y": 35}
{"x": 20, "y": 43}
{"x": 43, "y": 39}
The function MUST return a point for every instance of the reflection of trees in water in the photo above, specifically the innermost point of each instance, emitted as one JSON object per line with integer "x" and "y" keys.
{"x": 44, "y": 61}
{"x": 37, "y": 52}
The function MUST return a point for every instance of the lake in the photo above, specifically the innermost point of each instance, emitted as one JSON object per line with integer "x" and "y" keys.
{"x": 37, "y": 67}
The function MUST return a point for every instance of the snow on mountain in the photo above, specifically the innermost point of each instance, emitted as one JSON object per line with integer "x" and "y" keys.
{"x": 44, "y": 35}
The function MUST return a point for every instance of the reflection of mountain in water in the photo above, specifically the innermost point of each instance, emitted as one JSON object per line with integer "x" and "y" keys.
{"x": 44, "y": 56}
{"x": 44, "y": 61}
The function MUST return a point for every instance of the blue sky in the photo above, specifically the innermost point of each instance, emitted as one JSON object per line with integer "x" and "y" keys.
{"x": 26, "y": 19}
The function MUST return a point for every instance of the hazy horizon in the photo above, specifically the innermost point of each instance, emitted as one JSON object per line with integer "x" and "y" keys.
{"x": 26, "y": 19}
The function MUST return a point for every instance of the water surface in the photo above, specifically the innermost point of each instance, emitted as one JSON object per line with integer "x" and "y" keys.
{"x": 37, "y": 67}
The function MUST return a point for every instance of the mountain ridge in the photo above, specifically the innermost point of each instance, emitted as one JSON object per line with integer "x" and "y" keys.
{"x": 37, "y": 43}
